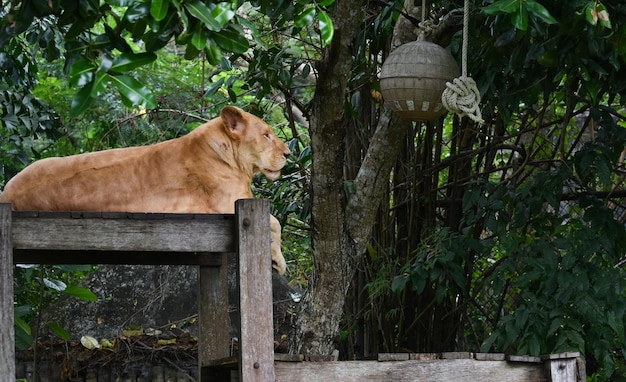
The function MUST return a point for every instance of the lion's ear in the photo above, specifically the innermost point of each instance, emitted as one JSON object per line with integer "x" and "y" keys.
{"x": 234, "y": 121}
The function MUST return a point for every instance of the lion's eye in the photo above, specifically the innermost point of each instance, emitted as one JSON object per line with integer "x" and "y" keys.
{"x": 267, "y": 135}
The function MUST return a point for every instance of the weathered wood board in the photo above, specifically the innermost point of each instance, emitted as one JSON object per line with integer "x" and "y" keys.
{"x": 448, "y": 370}
{"x": 123, "y": 232}
{"x": 7, "y": 340}
{"x": 255, "y": 295}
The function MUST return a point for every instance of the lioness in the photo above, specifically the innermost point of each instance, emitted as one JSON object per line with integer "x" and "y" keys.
{"x": 202, "y": 172}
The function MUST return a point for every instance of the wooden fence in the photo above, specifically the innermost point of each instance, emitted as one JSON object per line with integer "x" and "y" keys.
{"x": 204, "y": 240}
{"x": 136, "y": 238}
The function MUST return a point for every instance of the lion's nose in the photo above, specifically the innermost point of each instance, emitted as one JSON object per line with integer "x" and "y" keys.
{"x": 287, "y": 154}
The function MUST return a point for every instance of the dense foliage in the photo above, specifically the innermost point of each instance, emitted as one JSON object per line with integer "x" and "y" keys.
{"x": 507, "y": 235}
{"x": 501, "y": 236}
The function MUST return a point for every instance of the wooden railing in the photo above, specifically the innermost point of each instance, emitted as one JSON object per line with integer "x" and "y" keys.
{"x": 203, "y": 240}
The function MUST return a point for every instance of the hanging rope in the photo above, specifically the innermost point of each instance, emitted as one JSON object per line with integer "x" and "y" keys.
{"x": 461, "y": 96}
{"x": 426, "y": 26}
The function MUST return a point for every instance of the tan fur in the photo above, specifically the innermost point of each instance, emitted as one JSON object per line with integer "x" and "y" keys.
{"x": 202, "y": 172}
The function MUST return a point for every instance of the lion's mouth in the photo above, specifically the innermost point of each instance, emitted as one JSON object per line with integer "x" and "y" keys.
{"x": 271, "y": 174}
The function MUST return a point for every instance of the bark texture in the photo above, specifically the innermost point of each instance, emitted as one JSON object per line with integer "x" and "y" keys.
{"x": 373, "y": 176}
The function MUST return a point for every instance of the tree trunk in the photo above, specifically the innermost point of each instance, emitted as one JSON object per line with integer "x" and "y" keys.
{"x": 322, "y": 305}
{"x": 341, "y": 227}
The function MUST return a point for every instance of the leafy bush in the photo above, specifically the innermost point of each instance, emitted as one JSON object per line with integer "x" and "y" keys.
{"x": 543, "y": 277}
{"x": 36, "y": 287}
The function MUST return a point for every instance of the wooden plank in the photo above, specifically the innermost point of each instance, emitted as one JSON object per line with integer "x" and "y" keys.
{"x": 7, "y": 338}
{"x": 288, "y": 357}
{"x": 386, "y": 357}
{"x": 562, "y": 370}
{"x": 215, "y": 233}
{"x": 402, "y": 371}
{"x": 523, "y": 358}
{"x": 214, "y": 322}
{"x": 566, "y": 355}
{"x": 254, "y": 271}
{"x": 228, "y": 362}
{"x": 457, "y": 355}
{"x": 582, "y": 370}
{"x": 320, "y": 357}
{"x": 490, "y": 356}
{"x": 423, "y": 356}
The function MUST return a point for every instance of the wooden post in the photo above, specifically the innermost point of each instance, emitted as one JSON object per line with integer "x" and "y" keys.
{"x": 214, "y": 322}
{"x": 7, "y": 339}
{"x": 254, "y": 271}
{"x": 564, "y": 367}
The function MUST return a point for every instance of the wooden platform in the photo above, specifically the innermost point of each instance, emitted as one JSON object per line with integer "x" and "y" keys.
{"x": 131, "y": 238}
{"x": 204, "y": 241}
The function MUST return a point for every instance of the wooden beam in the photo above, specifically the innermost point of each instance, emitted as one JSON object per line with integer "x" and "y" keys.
{"x": 134, "y": 232}
{"x": 213, "y": 321}
{"x": 7, "y": 337}
{"x": 432, "y": 371}
{"x": 254, "y": 272}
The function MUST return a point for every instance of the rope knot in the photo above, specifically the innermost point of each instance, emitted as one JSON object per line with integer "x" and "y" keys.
{"x": 461, "y": 96}
{"x": 427, "y": 26}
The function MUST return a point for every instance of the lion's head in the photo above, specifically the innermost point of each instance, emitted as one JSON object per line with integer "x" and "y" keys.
{"x": 258, "y": 145}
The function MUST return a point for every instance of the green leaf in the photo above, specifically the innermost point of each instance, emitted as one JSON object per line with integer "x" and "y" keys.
{"x": 595, "y": 12}
{"x": 82, "y": 100}
{"x": 213, "y": 54}
{"x": 98, "y": 83}
{"x": 555, "y": 325}
{"x": 305, "y": 18}
{"x": 81, "y": 72}
{"x": 21, "y": 324}
{"x": 485, "y": 347}
{"x": 520, "y": 19}
{"x": 158, "y": 9}
{"x": 133, "y": 92}
{"x": 81, "y": 293}
{"x": 203, "y": 13}
{"x": 232, "y": 95}
{"x": 57, "y": 285}
{"x": 534, "y": 345}
{"x": 253, "y": 31}
{"x": 418, "y": 282}
{"x": 223, "y": 13}
{"x": 129, "y": 61}
{"x": 214, "y": 87}
{"x": 327, "y": 29}
{"x": 576, "y": 338}
{"x": 23, "y": 340}
{"x": 59, "y": 331}
{"x": 399, "y": 282}
{"x": 231, "y": 40}
{"x": 540, "y": 11}
{"x": 199, "y": 39}
{"x": 502, "y": 6}
{"x": 136, "y": 12}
